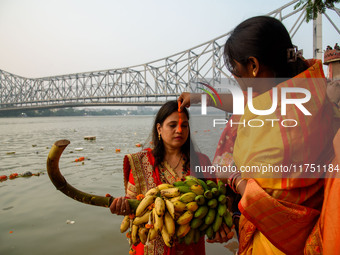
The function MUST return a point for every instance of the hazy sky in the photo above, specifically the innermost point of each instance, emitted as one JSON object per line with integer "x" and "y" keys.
{"x": 52, "y": 37}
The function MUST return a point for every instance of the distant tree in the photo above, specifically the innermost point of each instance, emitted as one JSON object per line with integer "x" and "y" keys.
{"x": 314, "y": 7}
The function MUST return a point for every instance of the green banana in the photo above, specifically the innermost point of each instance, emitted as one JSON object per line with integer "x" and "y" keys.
{"x": 190, "y": 182}
{"x": 208, "y": 194}
{"x": 228, "y": 219}
{"x": 221, "y": 209}
{"x": 222, "y": 199}
{"x": 178, "y": 183}
{"x": 203, "y": 227}
{"x": 212, "y": 203}
{"x": 211, "y": 184}
{"x": 196, "y": 223}
{"x": 189, "y": 238}
{"x": 203, "y": 184}
{"x": 222, "y": 188}
{"x": 217, "y": 223}
{"x": 215, "y": 192}
{"x": 184, "y": 189}
{"x": 209, "y": 218}
{"x": 201, "y": 212}
{"x": 200, "y": 200}
{"x": 192, "y": 178}
{"x": 209, "y": 232}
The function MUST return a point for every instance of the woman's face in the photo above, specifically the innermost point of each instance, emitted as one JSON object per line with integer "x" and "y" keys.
{"x": 173, "y": 134}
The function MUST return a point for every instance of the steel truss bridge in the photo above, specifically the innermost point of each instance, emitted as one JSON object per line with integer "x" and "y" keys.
{"x": 151, "y": 83}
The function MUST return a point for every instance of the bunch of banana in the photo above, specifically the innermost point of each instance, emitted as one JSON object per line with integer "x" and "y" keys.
{"x": 201, "y": 208}
{"x": 154, "y": 215}
{"x": 184, "y": 211}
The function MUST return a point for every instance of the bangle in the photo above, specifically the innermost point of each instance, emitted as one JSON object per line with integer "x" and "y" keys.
{"x": 232, "y": 186}
{"x": 232, "y": 177}
{"x": 239, "y": 184}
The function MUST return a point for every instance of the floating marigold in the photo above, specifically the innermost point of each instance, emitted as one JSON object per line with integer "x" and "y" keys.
{"x": 13, "y": 176}
{"x": 140, "y": 197}
{"x": 3, "y": 177}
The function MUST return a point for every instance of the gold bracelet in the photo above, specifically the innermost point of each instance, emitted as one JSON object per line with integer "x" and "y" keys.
{"x": 239, "y": 184}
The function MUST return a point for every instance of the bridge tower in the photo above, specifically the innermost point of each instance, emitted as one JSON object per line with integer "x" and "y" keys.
{"x": 317, "y": 37}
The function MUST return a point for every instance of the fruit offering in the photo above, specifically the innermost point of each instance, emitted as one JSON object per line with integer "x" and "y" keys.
{"x": 181, "y": 212}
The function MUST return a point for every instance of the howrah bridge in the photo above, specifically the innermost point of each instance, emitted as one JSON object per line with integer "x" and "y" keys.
{"x": 148, "y": 84}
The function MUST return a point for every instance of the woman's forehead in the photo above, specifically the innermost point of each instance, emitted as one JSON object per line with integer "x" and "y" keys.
{"x": 175, "y": 117}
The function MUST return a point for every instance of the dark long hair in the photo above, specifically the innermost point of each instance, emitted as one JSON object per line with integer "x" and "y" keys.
{"x": 159, "y": 150}
{"x": 266, "y": 39}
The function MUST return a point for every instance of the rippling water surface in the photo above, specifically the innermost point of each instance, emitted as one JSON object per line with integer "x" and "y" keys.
{"x": 33, "y": 213}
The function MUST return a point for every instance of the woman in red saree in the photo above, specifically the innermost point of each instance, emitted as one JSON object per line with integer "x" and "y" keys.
{"x": 278, "y": 210}
{"x": 168, "y": 161}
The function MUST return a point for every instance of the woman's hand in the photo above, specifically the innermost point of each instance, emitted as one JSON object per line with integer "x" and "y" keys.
{"x": 120, "y": 206}
{"x": 187, "y": 98}
{"x": 223, "y": 235}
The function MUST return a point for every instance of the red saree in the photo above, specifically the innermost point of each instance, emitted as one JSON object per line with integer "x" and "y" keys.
{"x": 140, "y": 175}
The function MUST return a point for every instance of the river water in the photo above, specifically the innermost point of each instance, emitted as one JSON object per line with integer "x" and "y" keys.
{"x": 34, "y": 215}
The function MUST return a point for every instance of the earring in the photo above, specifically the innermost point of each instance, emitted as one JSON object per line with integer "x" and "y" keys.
{"x": 159, "y": 136}
{"x": 254, "y": 73}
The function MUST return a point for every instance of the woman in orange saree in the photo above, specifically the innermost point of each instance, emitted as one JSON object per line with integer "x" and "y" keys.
{"x": 167, "y": 162}
{"x": 279, "y": 208}
{"x": 329, "y": 221}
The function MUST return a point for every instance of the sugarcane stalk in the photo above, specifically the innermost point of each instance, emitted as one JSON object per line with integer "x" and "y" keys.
{"x": 62, "y": 185}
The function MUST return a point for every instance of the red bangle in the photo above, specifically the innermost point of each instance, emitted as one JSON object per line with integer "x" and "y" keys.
{"x": 233, "y": 184}
{"x": 233, "y": 176}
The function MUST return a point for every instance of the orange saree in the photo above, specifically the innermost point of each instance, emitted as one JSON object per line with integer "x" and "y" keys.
{"x": 140, "y": 175}
{"x": 279, "y": 210}
{"x": 330, "y": 214}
